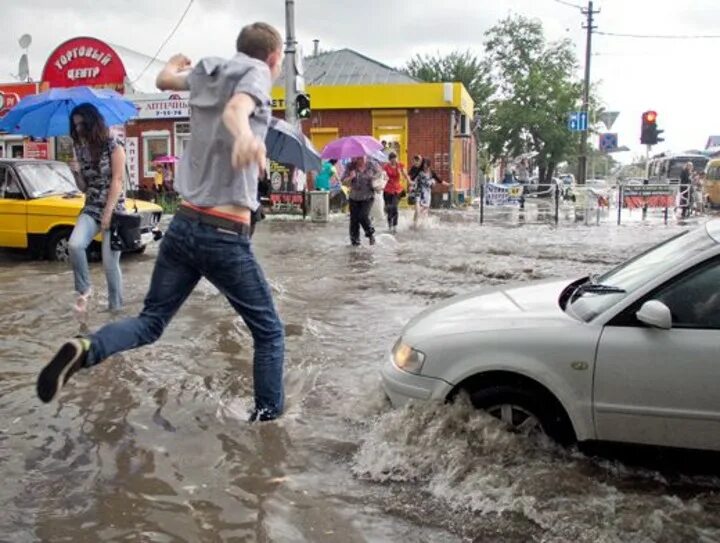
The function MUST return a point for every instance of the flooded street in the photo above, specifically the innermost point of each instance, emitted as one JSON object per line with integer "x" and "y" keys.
{"x": 154, "y": 445}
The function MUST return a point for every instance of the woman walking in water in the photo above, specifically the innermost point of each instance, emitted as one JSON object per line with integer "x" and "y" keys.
{"x": 422, "y": 189}
{"x": 100, "y": 165}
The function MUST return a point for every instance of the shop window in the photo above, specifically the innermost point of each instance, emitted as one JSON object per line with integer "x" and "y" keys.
{"x": 155, "y": 144}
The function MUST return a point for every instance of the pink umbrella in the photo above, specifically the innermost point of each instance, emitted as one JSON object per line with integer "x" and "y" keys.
{"x": 166, "y": 159}
{"x": 351, "y": 147}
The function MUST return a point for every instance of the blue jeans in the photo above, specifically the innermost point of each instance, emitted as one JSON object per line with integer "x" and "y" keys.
{"x": 82, "y": 235}
{"x": 191, "y": 250}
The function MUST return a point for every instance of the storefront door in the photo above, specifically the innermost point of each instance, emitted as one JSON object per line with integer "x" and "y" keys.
{"x": 391, "y": 126}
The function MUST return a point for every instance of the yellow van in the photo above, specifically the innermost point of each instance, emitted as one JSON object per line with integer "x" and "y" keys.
{"x": 40, "y": 202}
{"x": 712, "y": 182}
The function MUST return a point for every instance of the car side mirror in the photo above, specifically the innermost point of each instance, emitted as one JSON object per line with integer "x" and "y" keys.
{"x": 656, "y": 314}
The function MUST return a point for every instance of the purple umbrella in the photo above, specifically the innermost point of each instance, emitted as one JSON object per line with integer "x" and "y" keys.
{"x": 351, "y": 147}
{"x": 166, "y": 159}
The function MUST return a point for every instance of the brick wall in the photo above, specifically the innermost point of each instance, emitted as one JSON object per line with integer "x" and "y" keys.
{"x": 429, "y": 136}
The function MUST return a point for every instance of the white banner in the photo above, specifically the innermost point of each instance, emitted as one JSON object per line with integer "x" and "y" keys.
{"x": 133, "y": 162}
{"x": 162, "y": 106}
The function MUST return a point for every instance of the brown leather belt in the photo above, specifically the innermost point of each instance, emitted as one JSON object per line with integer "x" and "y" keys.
{"x": 212, "y": 220}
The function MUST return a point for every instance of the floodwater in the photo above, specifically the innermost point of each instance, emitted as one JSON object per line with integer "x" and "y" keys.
{"x": 153, "y": 445}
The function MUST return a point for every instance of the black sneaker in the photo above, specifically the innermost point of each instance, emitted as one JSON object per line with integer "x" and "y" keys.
{"x": 263, "y": 415}
{"x": 69, "y": 359}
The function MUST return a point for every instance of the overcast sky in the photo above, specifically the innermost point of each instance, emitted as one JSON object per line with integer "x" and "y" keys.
{"x": 675, "y": 77}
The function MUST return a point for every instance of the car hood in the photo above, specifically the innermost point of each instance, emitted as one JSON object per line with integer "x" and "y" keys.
{"x": 70, "y": 206}
{"x": 521, "y": 306}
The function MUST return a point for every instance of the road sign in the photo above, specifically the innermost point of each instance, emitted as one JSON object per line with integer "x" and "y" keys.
{"x": 577, "y": 121}
{"x": 608, "y": 141}
{"x": 608, "y": 118}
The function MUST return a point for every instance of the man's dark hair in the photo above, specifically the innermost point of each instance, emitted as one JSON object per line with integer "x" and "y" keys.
{"x": 259, "y": 40}
{"x": 392, "y": 155}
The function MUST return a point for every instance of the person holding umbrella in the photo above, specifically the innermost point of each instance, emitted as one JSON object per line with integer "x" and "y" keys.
{"x": 209, "y": 235}
{"x": 359, "y": 176}
{"x": 100, "y": 166}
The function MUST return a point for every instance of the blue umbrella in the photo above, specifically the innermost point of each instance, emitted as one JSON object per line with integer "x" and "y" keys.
{"x": 288, "y": 145}
{"x": 48, "y": 114}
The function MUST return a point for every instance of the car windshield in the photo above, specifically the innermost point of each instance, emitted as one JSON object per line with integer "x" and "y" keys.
{"x": 637, "y": 272}
{"x": 45, "y": 178}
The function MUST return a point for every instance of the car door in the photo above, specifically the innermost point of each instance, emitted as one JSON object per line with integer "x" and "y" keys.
{"x": 13, "y": 210}
{"x": 660, "y": 387}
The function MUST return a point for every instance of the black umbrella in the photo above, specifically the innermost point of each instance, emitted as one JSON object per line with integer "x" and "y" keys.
{"x": 288, "y": 145}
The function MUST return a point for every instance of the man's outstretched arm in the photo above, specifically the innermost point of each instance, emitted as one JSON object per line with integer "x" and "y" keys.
{"x": 174, "y": 76}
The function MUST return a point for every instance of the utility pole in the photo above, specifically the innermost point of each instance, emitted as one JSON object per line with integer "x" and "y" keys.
{"x": 290, "y": 50}
{"x": 582, "y": 163}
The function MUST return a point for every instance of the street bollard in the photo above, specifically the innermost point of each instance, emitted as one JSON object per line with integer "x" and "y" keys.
{"x": 557, "y": 205}
{"x": 620, "y": 204}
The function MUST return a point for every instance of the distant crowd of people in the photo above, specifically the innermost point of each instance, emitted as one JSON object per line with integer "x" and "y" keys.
{"x": 372, "y": 190}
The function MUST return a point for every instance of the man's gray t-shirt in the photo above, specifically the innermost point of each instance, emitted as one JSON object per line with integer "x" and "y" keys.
{"x": 205, "y": 175}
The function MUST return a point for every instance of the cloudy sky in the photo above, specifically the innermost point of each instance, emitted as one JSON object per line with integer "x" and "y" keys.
{"x": 675, "y": 77}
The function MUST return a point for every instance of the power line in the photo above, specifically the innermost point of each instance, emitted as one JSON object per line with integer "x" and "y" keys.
{"x": 569, "y": 4}
{"x": 164, "y": 43}
{"x": 661, "y": 36}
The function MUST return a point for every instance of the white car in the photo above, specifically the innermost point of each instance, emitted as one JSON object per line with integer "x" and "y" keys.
{"x": 630, "y": 356}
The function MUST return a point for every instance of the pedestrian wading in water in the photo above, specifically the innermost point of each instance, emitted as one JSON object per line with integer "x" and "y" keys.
{"x": 423, "y": 183}
{"x": 359, "y": 176}
{"x": 210, "y": 234}
{"x": 99, "y": 165}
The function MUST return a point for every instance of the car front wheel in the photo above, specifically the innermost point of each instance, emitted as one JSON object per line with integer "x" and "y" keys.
{"x": 58, "y": 246}
{"x": 525, "y": 411}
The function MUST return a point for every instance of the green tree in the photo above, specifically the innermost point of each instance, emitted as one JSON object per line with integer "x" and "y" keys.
{"x": 462, "y": 66}
{"x": 468, "y": 69}
{"x": 535, "y": 89}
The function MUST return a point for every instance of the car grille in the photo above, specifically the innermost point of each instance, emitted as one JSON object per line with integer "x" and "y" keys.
{"x": 149, "y": 220}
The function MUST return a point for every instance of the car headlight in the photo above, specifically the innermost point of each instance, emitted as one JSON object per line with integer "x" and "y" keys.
{"x": 406, "y": 358}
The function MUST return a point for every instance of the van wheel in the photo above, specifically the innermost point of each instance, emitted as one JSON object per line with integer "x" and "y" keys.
{"x": 58, "y": 246}
{"x": 525, "y": 411}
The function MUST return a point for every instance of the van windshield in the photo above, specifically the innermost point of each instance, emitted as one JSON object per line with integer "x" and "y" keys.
{"x": 677, "y": 165}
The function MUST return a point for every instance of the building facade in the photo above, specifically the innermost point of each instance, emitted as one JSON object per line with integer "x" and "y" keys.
{"x": 350, "y": 95}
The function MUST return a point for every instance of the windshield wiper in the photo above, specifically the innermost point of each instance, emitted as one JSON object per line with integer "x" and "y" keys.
{"x": 597, "y": 288}
{"x": 45, "y": 193}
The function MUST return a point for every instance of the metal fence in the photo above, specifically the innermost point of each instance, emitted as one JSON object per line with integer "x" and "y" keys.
{"x": 585, "y": 204}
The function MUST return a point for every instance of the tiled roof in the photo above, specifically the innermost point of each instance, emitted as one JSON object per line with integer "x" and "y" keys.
{"x": 348, "y": 67}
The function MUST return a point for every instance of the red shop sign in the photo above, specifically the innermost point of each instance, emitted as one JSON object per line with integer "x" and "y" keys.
{"x": 84, "y": 62}
{"x": 37, "y": 149}
{"x": 11, "y": 94}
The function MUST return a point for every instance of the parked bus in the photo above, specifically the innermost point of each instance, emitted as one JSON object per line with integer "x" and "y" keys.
{"x": 666, "y": 169}
{"x": 712, "y": 182}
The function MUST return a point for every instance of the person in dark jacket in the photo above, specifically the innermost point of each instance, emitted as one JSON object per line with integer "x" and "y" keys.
{"x": 686, "y": 176}
{"x": 359, "y": 176}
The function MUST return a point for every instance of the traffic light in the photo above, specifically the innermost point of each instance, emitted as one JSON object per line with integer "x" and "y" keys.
{"x": 649, "y": 133}
{"x": 302, "y": 106}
